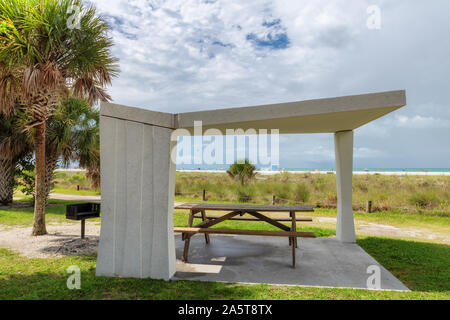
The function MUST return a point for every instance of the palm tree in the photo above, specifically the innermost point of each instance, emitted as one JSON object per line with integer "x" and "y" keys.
{"x": 14, "y": 145}
{"x": 242, "y": 171}
{"x": 72, "y": 135}
{"x": 6, "y": 164}
{"x": 87, "y": 147}
{"x": 43, "y": 57}
{"x": 6, "y": 180}
{"x": 72, "y": 129}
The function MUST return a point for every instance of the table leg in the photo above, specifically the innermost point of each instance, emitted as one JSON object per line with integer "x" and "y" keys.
{"x": 293, "y": 241}
{"x": 187, "y": 238}
{"x": 203, "y": 219}
{"x": 294, "y": 225}
{"x": 293, "y": 252}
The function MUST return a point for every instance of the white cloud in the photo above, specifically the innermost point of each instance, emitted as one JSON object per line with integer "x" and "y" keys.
{"x": 186, "y": 55}
{"x": 421, "y": 122}
{"x": 366, "y": 153}
{"x": 183, "y": 55}
{"x": 320, "y": 152}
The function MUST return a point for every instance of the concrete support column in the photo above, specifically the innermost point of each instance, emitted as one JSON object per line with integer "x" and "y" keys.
{"x": 343, "y": 143}
{"x": 138, "y": 186}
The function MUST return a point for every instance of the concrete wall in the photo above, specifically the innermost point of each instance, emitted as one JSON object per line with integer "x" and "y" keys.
{"x": 138, "y": 185}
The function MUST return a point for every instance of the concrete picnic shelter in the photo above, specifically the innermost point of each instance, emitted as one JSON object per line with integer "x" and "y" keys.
{"x": 138, "y": 176}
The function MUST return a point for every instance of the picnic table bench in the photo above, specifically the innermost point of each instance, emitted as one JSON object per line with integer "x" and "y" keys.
{"x": 236, "y": 212}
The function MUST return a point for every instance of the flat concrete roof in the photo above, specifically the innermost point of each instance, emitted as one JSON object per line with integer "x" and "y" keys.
{"x": 311, "y": 116}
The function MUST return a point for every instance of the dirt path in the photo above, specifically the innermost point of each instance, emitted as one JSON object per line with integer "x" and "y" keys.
{"x": 73, "y": 197}
{"x": 61, "y": 240}
{"x": 372, "y": 228}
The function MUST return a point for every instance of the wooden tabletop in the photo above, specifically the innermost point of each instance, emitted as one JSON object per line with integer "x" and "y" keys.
{"x": 244, "y": 207}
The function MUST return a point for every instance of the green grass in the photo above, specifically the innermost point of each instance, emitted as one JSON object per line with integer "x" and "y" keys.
{"x": 417, "y": 264}
{"x": 434, "y": 223}
{"x": 55, "y": 213}
{"x": 422, "y": 265}
{"x": 397, "y": 218}
{"x": 76, "y": 192}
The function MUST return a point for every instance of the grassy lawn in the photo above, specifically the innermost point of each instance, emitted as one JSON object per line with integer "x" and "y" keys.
{"x": 422, "y": 265}
{"x": 76, "y": 192}
{"x": 55, "y": 213}
{"x": 418, "y": 264}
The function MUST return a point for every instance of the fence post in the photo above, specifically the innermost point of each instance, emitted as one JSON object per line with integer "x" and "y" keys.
{"x": 273, "y": 199}
{"x": 369, "y": 206}
{"x": 204, "y": 195}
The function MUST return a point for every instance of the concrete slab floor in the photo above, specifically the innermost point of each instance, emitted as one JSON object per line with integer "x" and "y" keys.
{"x": 323, "y": 262}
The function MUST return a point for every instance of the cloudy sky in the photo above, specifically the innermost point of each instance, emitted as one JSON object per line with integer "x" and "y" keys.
{"x": 186, "y": 55}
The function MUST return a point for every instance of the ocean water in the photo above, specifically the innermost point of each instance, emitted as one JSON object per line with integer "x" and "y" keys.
{"x": 224, "y": 167}
{"x": 375, "y": 169}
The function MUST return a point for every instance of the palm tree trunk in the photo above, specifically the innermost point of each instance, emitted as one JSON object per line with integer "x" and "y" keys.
{"x": 39, "y": 204}
{"x": 6, "y": 180}
{"x": 50, "y": 165}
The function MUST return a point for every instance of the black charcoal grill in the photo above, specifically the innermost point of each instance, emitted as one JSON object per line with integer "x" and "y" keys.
{"x": 82, "y": 211}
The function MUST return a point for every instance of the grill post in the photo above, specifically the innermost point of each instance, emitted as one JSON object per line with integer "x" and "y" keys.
{"x": 82, "y": 228}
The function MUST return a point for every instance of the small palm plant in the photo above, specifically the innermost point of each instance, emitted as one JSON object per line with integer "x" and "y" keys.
{"x": 242, "y": 171}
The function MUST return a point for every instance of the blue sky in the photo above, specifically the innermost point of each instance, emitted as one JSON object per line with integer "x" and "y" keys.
{"x": 179, "y": 56}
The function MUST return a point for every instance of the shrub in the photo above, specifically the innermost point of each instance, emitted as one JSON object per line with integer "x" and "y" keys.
{"x": 60, "y": 175}
{"x": 319, "y": 184}
{"x": 362, "y": 186}
{"x": 331, "y": 200}
{"x": 242, "y": 171}
{"x": 301, "y": 192}
{"x": 245, "y": 194}
{"x": 282, "y": 191}
{"x": 77, "y": 178}
{"x": 25, "y": 176}
{"x": 424, "y": 199}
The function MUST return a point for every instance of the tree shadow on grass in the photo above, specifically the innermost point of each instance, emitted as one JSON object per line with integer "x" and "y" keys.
{"x": 421, "y": 266}
{"x": 69, "y": 245}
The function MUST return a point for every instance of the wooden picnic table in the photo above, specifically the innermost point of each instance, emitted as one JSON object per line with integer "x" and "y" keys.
{"x": 236, "y": 212}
